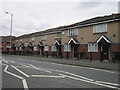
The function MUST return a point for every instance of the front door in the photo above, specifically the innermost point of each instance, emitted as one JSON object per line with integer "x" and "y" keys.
{"x": 105, "y": 48}
{"x": 75, "y": 51}
{"x": 59, "y": 50}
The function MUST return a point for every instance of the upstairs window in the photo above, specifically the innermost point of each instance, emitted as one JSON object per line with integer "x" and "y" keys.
{"x": 73, "y": 32}
{"x": 100, "y": 28}
{"x": 43, "y": 37}
{"x": 33, "y": 38}
{"x": 8, "y": 42}
{"x": 58, "y": 35}
{"x": 53, "y": 48}
{"x": 16, "y": 40}
{"x": 21, "y": 40}
{"x": 92, "y": 47}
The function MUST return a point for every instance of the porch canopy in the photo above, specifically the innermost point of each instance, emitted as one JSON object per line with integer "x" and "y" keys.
{"x": 103, "y": 37}
{"x": 29, "y": 44}
{"x": 57, "y": 42}
{"x": 40, "y": 43}
{"x": 22, "y": 45}
{"x": 73, "y": 41}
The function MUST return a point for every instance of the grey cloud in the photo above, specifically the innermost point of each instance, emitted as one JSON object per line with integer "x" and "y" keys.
{"x": 36, "y": 16}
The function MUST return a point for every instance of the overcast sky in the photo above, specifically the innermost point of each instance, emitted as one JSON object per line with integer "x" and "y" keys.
{"x": 34, "y": 16}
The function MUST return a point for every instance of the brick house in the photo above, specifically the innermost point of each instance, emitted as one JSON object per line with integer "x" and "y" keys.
{"x": 98, "y": 38}
{"x": 5, "y": 44}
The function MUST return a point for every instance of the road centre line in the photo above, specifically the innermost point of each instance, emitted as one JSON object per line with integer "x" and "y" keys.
{"x": 79, "y": 76}
{"x": 40, "y": 68}
{"x": 23, "y": 66}
{"x": 74, "y": 66}
{"x": 61, "y": 76}
{"x": 20, "y": 71}
{"x": 79, "y": 67}
{"x": 108, "y": 83}
{"x": 101, "y": 70}
{"x": 92, "y": 82}
{"x": 92, "y": 79}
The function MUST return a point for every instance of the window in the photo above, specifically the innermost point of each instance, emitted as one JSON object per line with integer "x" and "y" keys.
{"x": 35, "y": 48}
{"x": 58, "y": 35}
{"x": 20, "y": 48}
{"x": 8, "y": 42}
{"x": 43, "y": 37}
{"x": 32, "y": 38}
{"x": 67, "y": 47}
{"x": 53, "y": 48}
{"x": 16, "y": 48}
{"x": 100, "y": 28}
{"x": 92, "y": 47}
{"x": 73, "y": 32}
{"x": 16, "y": 40}
{"x": 20, "y": 39}
{"x": 45, "y": 48}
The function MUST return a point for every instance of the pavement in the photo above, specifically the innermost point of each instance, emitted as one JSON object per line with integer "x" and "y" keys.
{"x": 106, "y": 64}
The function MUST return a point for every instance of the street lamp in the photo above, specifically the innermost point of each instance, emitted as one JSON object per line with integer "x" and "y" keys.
{"x": 10, "y": 29}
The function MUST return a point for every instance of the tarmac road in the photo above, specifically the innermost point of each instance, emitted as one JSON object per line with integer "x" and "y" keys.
{"x": 18, "y": 72}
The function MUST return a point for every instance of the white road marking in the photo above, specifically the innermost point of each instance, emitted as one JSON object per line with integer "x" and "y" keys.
{"x": 5, "y": 70}
{"x": 23, "y": 66}
{"x": 79, "y": 76}
{"x": 102, "y": 70}
{"x": 5, "y": 61}
{"x": 23, "y": 80}
{"x": 20, "y": 71}
{"x": 58, "y": 64}
{"x": 25, "y": 84}
{"x": 12, "y": 61}
{"x": 40, "y": 69}
{"x": 3, "y": 64}
{"x": 49, "y": 76}
{"x": 89, "y": 81}
{"x": 108, "y": 83}
{"x": 76, "y": 66}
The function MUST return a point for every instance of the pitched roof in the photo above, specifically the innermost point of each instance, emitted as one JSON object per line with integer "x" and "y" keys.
{"x": 103, "y": 37}
{"x": 82, "y": 23}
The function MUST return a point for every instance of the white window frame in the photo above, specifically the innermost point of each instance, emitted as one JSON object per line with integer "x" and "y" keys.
{"x": 67, "y": 47}
{"x": 73, "y": 32}
{"x": 100, "y": 28}
{"x": 16, "y": 40}
{"x": 54, "y": 48}
{"x": 56, "y": 35}
{"x": 46, "y": 48}
{"x": 92, "y": 47}
{"x": 32, "y": 38}
{"x": 20, "y": 48}
{"x": 35, "y": 48}
{"x": 21, "y": 40}
{"x": 43, "y": 37}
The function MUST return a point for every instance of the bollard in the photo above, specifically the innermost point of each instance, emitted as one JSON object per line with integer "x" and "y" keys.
{"x": 90, "y": 56}
{"x": 67, "y": 55}
{"x": 101, "y": 57}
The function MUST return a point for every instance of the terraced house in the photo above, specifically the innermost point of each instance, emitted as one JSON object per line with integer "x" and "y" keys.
{"x": 97, "y": 37}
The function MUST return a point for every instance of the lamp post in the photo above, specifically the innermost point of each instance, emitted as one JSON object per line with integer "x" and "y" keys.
{"x": 10, "y": 30}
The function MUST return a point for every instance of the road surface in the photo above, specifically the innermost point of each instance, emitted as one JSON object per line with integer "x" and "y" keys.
{"x": 24, "y": 73}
